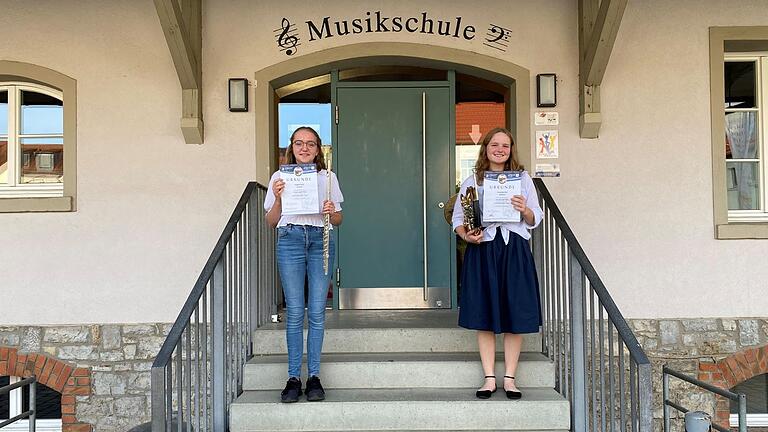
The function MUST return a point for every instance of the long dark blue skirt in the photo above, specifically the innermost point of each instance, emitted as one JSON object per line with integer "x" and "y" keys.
{"x": 499, "y": 287}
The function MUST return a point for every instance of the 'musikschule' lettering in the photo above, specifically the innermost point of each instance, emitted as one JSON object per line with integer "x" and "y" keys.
{"x": 377, "y": 23}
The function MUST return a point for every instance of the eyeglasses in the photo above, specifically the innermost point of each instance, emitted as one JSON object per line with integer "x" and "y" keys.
{"x": 307, "y": 144}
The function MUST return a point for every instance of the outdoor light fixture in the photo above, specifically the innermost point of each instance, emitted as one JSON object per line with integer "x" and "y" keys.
{"x": 238, "y": 94}
{"x": 546, "y": 90}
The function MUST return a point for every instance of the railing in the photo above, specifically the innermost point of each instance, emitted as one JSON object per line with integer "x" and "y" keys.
{"x": 32, "y": 412}
{"x": 599, "y": 365}
{"x": 199, "y": 369}
{"x": 740, "y": 398}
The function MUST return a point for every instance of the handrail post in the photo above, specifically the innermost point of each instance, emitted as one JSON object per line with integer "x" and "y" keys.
{"x": 645, "y": 394}
{"x": 254, "y": 211}
{"x": 578, "y": 383}
{"x": 537, "y": 240}
{"x": 742, "y": 412}
{"x": 33, "y": 404}
{"x": 158, "y": 398}
{"x": 218, "y": 390}
{"x": 665, "y": 397}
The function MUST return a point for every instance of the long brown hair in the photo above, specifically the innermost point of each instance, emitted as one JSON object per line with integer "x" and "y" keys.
{"x": 483, "y": 164}
{"x": 319, "y": 158}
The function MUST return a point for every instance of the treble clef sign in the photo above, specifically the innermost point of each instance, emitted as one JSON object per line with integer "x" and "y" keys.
{"x": 287, "y": 40}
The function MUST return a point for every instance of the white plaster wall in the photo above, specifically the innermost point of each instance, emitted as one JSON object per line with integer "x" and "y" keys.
{"x": 640, "y": 196}
{"x": 150, "y": 207}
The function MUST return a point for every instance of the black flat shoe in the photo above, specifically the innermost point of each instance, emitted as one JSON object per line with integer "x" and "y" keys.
{"x": 486, "y": 394}
{"x": 512, "y": 394}
{"x": 314, "y": 390}
{"x": 292, "y": 391}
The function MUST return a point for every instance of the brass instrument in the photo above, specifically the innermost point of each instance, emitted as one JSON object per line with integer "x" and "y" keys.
{"x": 470, "y": 207}
{"x": 326, "y": 217}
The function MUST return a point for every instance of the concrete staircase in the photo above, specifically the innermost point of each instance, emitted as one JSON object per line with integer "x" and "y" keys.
{"x": 397, "y": 371}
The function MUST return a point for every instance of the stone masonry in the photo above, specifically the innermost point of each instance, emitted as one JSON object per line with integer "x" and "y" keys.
{"x": 696, "y": 347}
{"x": 117, "y": 358}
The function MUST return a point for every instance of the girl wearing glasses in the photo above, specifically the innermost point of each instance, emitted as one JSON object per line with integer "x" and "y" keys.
{"x": 499, "y": 287}
{"x": 300, "y": 255}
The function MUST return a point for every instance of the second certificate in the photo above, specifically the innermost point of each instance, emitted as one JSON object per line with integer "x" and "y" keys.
{"x": 498, "y": 189}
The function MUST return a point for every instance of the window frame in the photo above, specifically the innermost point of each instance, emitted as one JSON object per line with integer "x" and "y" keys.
{"x": 40, "y": 77}
{"x": 734, "y": 224}
{"x": 15, "y": 155}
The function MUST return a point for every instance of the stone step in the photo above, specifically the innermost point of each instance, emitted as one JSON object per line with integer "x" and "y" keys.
{"x": 365, "y": 340}
{"x": 398, "y": 370}
{"x": 418, "y": 409}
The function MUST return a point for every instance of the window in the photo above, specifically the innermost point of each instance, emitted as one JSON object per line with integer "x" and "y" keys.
{"x": 756, "y": 390}
{"x": 37, "y": 139}
{"x": 739, "y": 94}
{"x": 744, "y": 137}
{"x": 31, "y": 141}
{"x": 17, "y": 402}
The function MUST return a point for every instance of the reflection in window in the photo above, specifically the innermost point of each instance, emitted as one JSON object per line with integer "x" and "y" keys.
{"x": 3, "y": 137}
{"x": 31, "y": 139}
{"x": 740, "y": 84}
{"x": 743, "y": 151}
{"x": 293, "y": 115}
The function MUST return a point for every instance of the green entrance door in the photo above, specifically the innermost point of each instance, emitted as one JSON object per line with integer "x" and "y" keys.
{"x": 393, "y": 159}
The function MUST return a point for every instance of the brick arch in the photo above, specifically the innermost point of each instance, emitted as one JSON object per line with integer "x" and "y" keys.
{"x": 66, "y": 379}
{"x": 731, "y": 371}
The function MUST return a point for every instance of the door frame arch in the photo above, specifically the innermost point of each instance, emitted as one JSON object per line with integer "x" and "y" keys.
{"x": 515, "y": 77}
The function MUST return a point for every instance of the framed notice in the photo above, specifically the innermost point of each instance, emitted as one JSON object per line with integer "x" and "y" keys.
{"x": 300, "y": 195}
{"x": 498, "y": 189}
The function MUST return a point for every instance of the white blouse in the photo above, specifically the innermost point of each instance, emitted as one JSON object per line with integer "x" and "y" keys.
{"x": 307, "y": 219}
{"x": 528, "y": 190}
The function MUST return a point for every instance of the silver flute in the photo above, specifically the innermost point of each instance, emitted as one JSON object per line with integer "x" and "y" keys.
{"x": 327, "y": 217}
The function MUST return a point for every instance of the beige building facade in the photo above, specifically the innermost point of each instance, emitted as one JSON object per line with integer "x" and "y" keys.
{"x": 93, "y": 276}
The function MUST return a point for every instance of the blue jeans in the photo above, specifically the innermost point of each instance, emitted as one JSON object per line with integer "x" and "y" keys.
{"x": 300, "y": 253}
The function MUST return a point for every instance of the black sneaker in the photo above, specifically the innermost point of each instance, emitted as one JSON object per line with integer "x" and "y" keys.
{"x": 292, "y": 390}
{"x": 314, "y": 389}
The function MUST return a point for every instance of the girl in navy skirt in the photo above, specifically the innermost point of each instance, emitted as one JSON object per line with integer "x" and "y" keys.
{"x": 499, "y": 287}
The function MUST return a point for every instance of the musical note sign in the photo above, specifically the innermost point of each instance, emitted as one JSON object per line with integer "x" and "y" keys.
{"x": 497, "y": 37}
{"x": 287, "y": 40}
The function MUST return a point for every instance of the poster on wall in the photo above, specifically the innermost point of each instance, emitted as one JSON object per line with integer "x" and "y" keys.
{"x": 546, "y": 144}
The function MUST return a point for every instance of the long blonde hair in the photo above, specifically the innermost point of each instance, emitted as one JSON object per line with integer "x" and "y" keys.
{"x": 483, "y": 164}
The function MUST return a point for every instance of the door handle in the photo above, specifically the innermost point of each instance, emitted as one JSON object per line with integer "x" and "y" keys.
{"x": 424, "y": 185}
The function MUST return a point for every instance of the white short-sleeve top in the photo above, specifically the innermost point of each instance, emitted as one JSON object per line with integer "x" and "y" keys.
{"x": 528, "y": 190}
{"x": 308, "y": 219}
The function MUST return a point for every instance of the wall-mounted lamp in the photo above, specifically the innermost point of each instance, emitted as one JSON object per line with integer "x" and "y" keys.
{"x": 546, "y": 90}
{"x": 238, "y": 94}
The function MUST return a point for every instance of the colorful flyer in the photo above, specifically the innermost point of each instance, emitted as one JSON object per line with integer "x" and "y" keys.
{"x": 498, "y": 189}
{"x": 300, "y": 195}
{"x": 547, "y": 145}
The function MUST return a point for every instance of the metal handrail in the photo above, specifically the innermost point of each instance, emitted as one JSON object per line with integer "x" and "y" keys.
{"x": 239, "y": 278}
{"x": 737, "y": 397}
{"x": 574, "y": 304}
{"x": 31, "y": 413}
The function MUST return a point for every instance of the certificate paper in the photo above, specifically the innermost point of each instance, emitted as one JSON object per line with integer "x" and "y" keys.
{"x": 300, "y": 195}
{"x": 498, "y": 189}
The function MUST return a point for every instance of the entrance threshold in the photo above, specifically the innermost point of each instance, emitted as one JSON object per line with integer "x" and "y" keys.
{"x": 395, "y": 298}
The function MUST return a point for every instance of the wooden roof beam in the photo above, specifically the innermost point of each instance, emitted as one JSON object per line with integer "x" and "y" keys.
{"x": 181, "y": 21}
{"x": 599, "y": 23}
